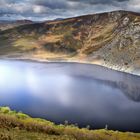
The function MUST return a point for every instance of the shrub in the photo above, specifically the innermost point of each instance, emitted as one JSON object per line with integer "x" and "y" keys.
{"x": 5, "y": 110}
{"x": 21, "y": 115}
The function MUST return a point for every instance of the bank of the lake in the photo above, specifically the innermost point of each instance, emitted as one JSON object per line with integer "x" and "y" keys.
{"x": 18, "y": 126}
{"x": 116, "y": 67}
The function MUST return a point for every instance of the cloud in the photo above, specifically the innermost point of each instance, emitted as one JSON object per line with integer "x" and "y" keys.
{"x": 99, "y": 1}
{"x": 134, "y": 5}
{"x": 55, "y": 4}
{"x": 51, "y": 9}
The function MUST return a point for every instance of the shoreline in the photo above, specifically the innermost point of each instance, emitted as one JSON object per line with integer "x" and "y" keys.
{"x": 20, "y": 116}
{"x": 40, "y": 60}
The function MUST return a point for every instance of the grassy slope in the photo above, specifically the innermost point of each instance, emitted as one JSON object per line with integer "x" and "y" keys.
{"x": 18, "y": 126}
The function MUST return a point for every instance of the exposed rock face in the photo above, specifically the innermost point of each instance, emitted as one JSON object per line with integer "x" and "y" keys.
{"x": 123, "y": 51}
{"x": 112, "y": 38}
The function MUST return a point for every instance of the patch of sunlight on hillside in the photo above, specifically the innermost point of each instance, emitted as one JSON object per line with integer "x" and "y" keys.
{"x": 25, "y": 44}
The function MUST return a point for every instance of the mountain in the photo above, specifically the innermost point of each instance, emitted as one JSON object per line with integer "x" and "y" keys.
{"x": 109, "y": 39}
{"x": 57, "y": 19}
{"x": 5, "y": 24}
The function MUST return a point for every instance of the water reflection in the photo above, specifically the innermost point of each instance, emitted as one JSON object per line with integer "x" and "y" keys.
{"x": 83, "y": 94}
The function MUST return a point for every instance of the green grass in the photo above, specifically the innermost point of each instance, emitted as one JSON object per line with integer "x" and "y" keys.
{"x": 15, "y": 134}
{"x": 18, "y": 126}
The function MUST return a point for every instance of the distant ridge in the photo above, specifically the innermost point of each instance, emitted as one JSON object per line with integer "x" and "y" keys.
{"x": 6, "y": 24}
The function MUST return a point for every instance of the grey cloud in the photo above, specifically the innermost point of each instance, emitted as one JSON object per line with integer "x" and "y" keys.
{"x": 55, "y": 4}
{"x": 50, "y": 9}
{"x": 99, "y": 1}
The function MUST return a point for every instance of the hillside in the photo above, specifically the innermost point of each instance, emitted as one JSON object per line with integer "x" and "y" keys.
{"x": 4, "y": 25}
{"x": 18, "y": 126}
{"x": 108, "y": 39}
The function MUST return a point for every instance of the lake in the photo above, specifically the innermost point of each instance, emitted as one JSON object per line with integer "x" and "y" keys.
{"x": 79, "y": 93}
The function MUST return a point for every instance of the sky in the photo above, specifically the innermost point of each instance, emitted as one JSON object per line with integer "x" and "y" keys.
{"x": 39, "y": 10}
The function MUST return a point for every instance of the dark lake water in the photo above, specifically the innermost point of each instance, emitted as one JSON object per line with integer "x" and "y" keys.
{"x": 80, "y": 93}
